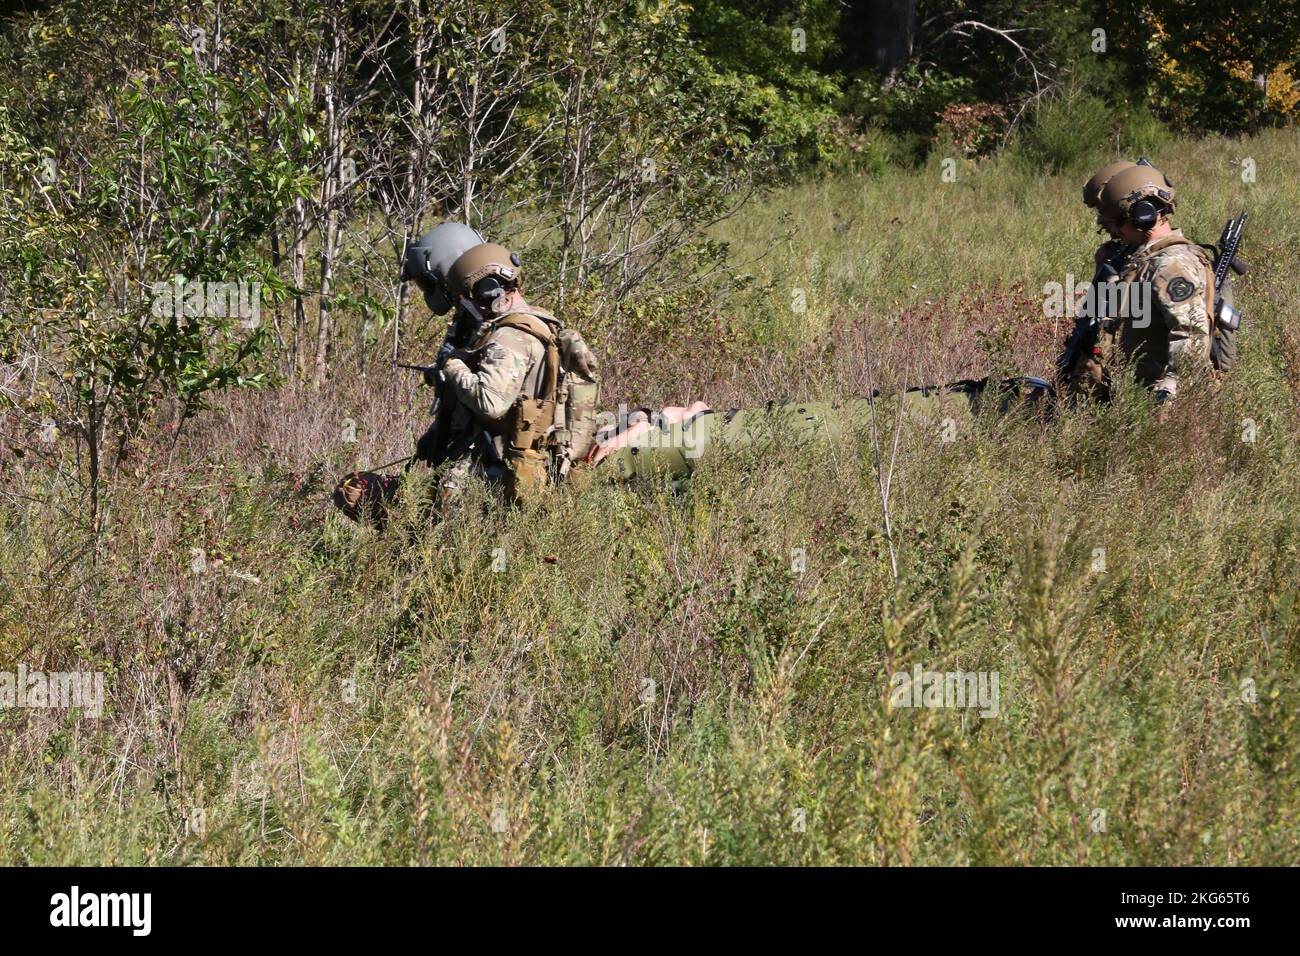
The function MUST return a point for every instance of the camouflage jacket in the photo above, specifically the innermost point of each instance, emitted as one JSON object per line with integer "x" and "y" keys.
{"x": 1166, "y": 325}
{"x": 504, "y": 364}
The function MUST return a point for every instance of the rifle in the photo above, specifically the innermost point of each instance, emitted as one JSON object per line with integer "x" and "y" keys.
{"x": 1087, "y": 324}
{"x": 1225, "y": 258}
{"x": 428, "y": 370}
{"x": 459, "y": 329}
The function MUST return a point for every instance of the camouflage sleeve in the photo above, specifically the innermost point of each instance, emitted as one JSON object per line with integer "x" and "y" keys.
{"x": 491, "y": 388}
{"x": 1178, "y": 287}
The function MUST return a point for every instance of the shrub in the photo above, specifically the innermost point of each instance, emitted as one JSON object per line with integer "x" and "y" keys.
{"x": 1067, "y": 133}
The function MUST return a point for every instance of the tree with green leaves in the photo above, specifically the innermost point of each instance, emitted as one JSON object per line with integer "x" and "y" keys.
{"x": 111, "y": 257}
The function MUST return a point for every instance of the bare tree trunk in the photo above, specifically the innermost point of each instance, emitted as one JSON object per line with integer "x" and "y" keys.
{"x": 471, "y": 156}
{"x": 277, "y": 259}
{"x": 415, "y": 180}
{"x": 300, "y": 283}
{"x": 893, "y": 28}
{"x": 329, "y": 192}
{"x": 572, "y": 218}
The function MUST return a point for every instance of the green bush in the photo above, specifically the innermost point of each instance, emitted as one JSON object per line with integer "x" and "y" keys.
{"x": 1140, "y": 133}
{"x": 1067, "y": 133}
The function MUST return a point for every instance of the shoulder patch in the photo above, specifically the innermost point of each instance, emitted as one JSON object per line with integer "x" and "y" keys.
{"x": 1180, "y": 289}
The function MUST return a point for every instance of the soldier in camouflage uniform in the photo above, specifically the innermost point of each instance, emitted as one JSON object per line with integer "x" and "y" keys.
{"x": 1171, "y": 337}
{"x": 1085, "y": 376}
{"x": 516, "y": 390}
{"x": 1092, "y": 199}
{"x": 504, "y": 366}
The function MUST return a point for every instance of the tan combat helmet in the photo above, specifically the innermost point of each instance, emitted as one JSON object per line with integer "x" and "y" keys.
{"x": 1137, "y": 194}
{"x": 488, "y": 261}
{"x": 1093, "y": 187}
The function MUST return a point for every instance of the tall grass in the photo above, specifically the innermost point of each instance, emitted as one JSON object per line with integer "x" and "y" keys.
{"x": 703, "y": 677}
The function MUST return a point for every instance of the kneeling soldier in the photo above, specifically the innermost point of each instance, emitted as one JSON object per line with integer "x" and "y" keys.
{"x": 516, "y": 391}
{"x": 1165, "y": 327}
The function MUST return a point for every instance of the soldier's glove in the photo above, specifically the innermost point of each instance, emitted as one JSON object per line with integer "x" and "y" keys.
{"x": 577, "y": 357}
{"x": 433, "y": 377}
{"x": 454, "y": 364}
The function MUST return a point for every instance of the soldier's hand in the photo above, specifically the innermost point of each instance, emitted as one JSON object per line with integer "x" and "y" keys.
{"x": 453, "y": 366}
{"x": 577, "y": 356}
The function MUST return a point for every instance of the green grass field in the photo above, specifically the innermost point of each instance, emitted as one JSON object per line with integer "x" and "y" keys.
{"x": 628, "y": 676}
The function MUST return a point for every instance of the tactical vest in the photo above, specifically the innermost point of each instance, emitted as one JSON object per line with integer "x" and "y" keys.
{"x": 545, "y": 434}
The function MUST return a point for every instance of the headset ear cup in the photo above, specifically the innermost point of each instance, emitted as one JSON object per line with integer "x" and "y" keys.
{"x": 1142, "y": 214}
